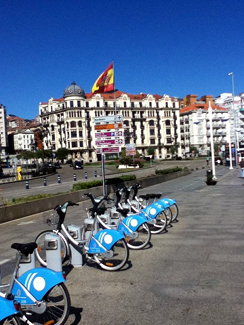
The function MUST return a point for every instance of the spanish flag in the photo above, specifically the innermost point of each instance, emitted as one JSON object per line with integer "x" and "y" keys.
{"x": 105, "y": 82}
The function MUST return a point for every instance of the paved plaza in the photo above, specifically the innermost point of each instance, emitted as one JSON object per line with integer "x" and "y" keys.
{"x": 193, "y": 274}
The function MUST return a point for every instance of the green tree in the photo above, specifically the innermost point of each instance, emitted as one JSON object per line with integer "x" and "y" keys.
{"x": 127, "y": 160}
{"x": 27, "y": 155}
{"x": 150, "y": 151}
{"x": 62, "y": 153}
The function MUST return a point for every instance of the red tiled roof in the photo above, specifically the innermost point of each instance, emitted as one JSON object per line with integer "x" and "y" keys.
{"x": 203, "y": 106}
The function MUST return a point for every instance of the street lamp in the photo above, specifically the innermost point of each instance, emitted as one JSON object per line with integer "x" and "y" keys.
{"x": 228, "y": 132}
{"x": 234, "y": 112}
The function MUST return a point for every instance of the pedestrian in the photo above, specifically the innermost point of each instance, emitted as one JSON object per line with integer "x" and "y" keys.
{"x": 242, "y": 167}
{"x": 207, "y": 160}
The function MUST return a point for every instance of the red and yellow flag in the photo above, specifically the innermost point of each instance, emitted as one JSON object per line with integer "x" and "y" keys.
{"x": 105, "y": 82}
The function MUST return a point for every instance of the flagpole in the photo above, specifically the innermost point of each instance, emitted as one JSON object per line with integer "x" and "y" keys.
{"x": 115, "y": 108}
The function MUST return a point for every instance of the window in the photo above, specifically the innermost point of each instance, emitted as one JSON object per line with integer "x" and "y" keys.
{"x": 126, "y": 123}
{"x": 80, "y": 124}
{"x": 78, "y": 103}
{"x": 168, "y": 131}
{"x": 150, "y": 104}
{"x": 80, "y": 134}
{"x": 152, "y": 141}
{"x": 166, "y": 104}
{"x": 169, "y": 140}
{"x": 152, "y": 132}
{"x": 53, "y": 137}
{"x": 73, "y": 124}
{"x": 87, "y": 104}
{"x": 81, "y": 143}
{"x": 52, "y": 127}
{"x": 140, "y": 104}
{"x": 74, "y": 144}
{"x": 98, "y": 104}
{"x": 73, "y": 134}
{"x": 106, "y": 104}
{"x": 125, "y": 104}
{"x": 167, "y": 122}
{"x": 71, "y": 103}
{"x": 151, "y": 123}
{"x": 132, "y": 104}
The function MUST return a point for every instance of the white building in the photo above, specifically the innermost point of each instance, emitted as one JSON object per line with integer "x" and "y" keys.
{"x": 149, "y": 121}
{"x": 3, "y": 130}
{"x": 23, "y": 140}
{"x": 195, "y": 126}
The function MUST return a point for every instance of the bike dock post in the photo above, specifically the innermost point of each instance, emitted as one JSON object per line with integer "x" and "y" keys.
{"x": 53, "y": 252}
{"x": 44, "y": 181}
{"x": 74, "y": 176}
{"x": 59, "y": 179}
{"x": 85, "y": 175}
{"x": 27, "y": 184}
{"x": 76, "y": 252}
{"x": 95, "y": 173}
{"x": 27, "y": 263}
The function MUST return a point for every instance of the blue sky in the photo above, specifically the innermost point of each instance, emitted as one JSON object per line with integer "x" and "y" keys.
{"x": 158, "y": 47}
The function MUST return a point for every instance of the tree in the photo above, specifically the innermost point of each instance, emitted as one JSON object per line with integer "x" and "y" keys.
{"x": 150, "y": 151}
{"x": 27, "y": 155}
{"x": 62, "y": 153}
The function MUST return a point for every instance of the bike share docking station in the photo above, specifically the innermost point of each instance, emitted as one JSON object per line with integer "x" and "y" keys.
{"x": 53, "y": 252}
{"x": 76, "y": 251}
{"x": 27, "y": 262}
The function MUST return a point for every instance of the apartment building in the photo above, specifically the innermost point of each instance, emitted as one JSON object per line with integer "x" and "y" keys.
{"x": 3, "y": 130}
{"x": 23, "y": 140}
{"x": 148, "y": 120}
{"x": 195, "y": 125}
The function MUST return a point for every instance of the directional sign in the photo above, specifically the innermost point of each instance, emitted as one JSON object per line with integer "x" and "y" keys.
{"x": 108, "y": 126}
{"x": 104, "y": 143}
{"x": 108, "y": 134}
{"x": 108, "y": 150}
{"x": 108, "y": 119}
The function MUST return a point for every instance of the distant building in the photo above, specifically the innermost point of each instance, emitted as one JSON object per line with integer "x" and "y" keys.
{"x": 23, "y": 140}
{"x": 195, "y": 125}
{"x": 149, "y": 121}
{"x": 3, "y": 130}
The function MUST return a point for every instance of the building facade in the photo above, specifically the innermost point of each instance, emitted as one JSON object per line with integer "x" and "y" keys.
{"x": 3, "y": 130}
{"x": 23, "y": 140}
{"x": 195, "y": 124}
{"x": 149, "y": 121}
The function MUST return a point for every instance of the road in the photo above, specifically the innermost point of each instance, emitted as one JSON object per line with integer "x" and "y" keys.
{"x": 193, "y": 274}
{"x": 36, "y": 186}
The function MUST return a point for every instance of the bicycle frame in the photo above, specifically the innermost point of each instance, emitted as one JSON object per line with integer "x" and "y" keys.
{"x": 7, "y": 307}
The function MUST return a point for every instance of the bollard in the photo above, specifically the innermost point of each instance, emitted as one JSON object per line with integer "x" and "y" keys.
{"x": 27, "y": 185}
{"x": 59, "y": 179}
{"x": 53, "y": 252}
{"x": 95, "y": 173}
{"x": 44, "y": 181}
{"x": 76, "y": 252}
{"x": 74, "y": 177}
{"x": 26, "y": 263}
{"x": 85, "y": 175}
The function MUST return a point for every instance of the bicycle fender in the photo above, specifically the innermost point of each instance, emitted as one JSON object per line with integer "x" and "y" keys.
{"x": 153, "y": 210}
{"x": 167, "y": 200}
{"x": 38, "y": 282}
{"x": 104, "y": 240}
{"x": 6, "y": 308}
{"x": 162, "y": 205}
{"x": 133, "y": 222}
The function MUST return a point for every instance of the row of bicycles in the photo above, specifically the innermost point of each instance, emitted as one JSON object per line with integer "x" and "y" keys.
{"x": 110, "y": 229}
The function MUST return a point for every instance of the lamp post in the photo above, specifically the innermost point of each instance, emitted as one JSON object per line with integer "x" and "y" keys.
{"x": 234, "y": 112}
{"x": 229, "y": 140}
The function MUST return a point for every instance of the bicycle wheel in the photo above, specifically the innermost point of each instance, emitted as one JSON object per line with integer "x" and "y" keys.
{"x": 169, "y": 215}
{"x": 11, "y": 321}
{"x": 40, "y": 251}
{"x": 120, "y": 255}
{"x": 175, "y": 211}
{"x": 57, "y": 309}
{"x": 144, "y": 236}
{"x": 161, "y": 223}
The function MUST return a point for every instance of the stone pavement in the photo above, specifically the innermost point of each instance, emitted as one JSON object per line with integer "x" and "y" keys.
{"x": 193, "y": 274}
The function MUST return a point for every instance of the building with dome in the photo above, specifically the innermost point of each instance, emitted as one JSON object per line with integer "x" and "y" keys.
{"x": 148, "y": 120}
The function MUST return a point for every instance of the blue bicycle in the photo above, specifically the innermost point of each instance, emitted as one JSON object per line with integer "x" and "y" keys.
{"x": 41, "y": 292}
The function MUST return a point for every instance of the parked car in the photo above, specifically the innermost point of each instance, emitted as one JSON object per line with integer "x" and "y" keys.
{"x": 78, "y": 165}
{"x": 57, "y": 165}
{"x": 69, "y": 162}
{"x": 218, "y": 160}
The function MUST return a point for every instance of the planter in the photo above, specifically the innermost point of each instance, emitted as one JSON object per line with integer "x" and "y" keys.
{"x": 211, "y": 182}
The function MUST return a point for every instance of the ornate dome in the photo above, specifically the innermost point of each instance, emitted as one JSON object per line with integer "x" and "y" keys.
{"x": 74, "y": 90}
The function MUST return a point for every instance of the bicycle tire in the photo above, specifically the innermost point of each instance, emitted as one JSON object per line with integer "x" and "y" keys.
{"x": 40, "y": 251}
{"x": 175, "y": 212}
{"x": 169, "y": 215}
{"x": 160, "y": 225}
{"x": 144, "y": 237}
{"x": 120, "y": 248}
{"x": 57, "y": 301}
{"x": 13, "y": 320}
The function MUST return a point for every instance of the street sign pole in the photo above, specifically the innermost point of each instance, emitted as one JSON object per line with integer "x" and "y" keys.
{"x": 103, "y": 174}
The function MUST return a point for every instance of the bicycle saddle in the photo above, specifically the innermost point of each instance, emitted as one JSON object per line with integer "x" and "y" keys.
{"x": 144, "y": 197}
{"x": 25, "y": 249}
{"x": 124, "y": 212}
{"x": 98, "y": 211}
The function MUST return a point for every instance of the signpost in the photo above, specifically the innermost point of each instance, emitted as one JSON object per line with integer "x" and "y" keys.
{"x": 109, "y": 137}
